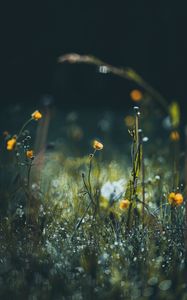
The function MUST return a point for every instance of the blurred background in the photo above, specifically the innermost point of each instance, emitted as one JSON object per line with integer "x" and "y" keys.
{"x": 149, "y": 36}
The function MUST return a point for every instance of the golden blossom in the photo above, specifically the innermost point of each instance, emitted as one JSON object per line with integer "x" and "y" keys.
{"x": 97, "y": 145}
{"x": 11, "y": 144}
{"x": 30, "y": 154}
{"x": 36, "y": 115}
{"x": 124, "y": 204}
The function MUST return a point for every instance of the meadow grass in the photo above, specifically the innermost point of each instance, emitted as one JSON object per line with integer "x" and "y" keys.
{"x": 95, "y": 226}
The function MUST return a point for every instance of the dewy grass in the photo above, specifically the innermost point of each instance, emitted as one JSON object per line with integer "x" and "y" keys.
{"x": 93, "y": 228}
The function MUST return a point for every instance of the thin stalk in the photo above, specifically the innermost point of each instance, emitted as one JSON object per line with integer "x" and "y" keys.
{"x": 137, "y": 130}
{"x": 143, "y": 182}
{"x": 136, "y": 164}
{"x": 83, "y": 216}
{"x": 87, "y": 190}
{"x": 89, "y": 171}
{"x": 28, "y": 174}
{"x": 23, "y": 127}
{"x": 28, "y": 186}
{"x": 176, "y": 165}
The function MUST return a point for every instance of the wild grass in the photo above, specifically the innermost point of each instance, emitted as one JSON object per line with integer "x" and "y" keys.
{"x": 92, "y": 227}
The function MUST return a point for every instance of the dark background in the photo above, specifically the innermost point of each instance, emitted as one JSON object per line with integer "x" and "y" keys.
{"x": 149, "y": 36}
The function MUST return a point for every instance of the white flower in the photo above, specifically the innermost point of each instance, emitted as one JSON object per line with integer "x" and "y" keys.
{"x": 112, "y": 191}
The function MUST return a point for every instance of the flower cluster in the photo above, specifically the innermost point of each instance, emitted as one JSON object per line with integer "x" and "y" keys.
{"x": 11, "y": 143}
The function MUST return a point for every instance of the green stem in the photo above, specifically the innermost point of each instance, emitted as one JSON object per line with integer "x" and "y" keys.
{"x": 88, "y": 191}
{"x": 23, "y": 127}
{"x": 143, "y": 184}
{"x": 89, "y": 174}
{"x": 28, "y": 175}
{"x": 83, "y": 216}
{"x": 176, "y": 165}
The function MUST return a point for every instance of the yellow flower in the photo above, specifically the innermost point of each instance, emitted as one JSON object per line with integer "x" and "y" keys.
{"x": 171, "y": 198}
{"x": 30, "y": 153}
{"x": 178, "y": 199}
{"x": 36, "y": 115}
{"x": 11, "y": 144}
{"x": 97, "y": 145}
{"x": 124, "y": 204}
{"x": 175, "y": 199}
{"x": 174, "y": 136}
{"x": 136, "y": 95}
